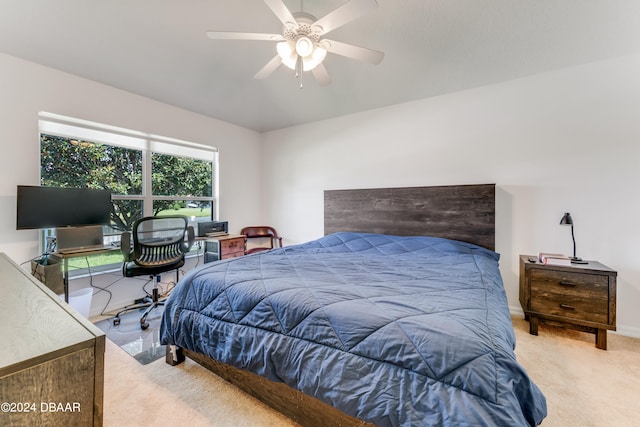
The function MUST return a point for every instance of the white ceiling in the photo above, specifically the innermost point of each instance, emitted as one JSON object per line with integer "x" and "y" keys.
{"x": 158, "y": 49}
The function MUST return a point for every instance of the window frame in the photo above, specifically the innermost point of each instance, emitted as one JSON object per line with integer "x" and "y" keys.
{"x": 72, "y": 128}
{"x": 67, "y": 127}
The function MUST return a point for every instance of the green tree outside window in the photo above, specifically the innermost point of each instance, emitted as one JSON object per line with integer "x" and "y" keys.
{"x": 67, "y": 162}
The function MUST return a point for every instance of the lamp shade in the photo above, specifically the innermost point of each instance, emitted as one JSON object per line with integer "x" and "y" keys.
{"x": 566, "y": 219}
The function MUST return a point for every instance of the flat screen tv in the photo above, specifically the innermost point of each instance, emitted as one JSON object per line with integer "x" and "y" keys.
{"x": 49, "y": 207}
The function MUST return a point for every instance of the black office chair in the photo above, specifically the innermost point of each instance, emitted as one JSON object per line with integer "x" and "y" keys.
{"x": 158, "y": 246}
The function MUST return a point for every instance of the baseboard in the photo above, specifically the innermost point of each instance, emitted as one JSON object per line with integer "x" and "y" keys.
{"x": 516, "y": 311}
{"x": 627, "y": 331}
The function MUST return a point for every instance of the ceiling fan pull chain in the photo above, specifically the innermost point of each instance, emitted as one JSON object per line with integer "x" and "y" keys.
{"x": 299, "y": 70}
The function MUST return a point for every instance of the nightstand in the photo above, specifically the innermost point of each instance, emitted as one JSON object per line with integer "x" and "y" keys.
{"x": 223, "y": 247}
{"x": 580, "y": 296}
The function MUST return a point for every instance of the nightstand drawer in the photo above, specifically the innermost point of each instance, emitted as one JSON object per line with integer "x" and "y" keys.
{"x": 567, "y": 294}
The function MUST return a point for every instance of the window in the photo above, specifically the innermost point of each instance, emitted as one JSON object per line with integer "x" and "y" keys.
{"x": 147, "y": 175}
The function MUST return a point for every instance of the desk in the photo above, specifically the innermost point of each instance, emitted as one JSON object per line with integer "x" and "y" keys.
{"x": 65, "y": 257}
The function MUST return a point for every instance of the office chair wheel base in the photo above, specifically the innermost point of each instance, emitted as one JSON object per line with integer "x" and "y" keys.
{"x": 144, "y": 326}
{"x": 116, "y": 321}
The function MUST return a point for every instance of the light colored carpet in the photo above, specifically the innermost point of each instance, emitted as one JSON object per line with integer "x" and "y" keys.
{"x": 584, "y": 386}
{"x": 158, "y": 394}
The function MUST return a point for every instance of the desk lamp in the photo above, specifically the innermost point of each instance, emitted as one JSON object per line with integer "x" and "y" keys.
{"x": 567, "y": 220}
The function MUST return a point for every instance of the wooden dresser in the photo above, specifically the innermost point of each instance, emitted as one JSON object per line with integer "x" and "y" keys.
{"x": 223, "y": 247}
{"x": 52, "y": 358}
{"x": 581, "y": 296}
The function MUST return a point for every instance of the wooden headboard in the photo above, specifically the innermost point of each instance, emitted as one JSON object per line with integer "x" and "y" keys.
{"x": 460, "y": 212}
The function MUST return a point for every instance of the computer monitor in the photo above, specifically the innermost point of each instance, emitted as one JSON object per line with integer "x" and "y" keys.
{"x": 49, "y": 207}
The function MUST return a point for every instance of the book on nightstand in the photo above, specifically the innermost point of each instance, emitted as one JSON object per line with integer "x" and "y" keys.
{"x": 553, "y": 259}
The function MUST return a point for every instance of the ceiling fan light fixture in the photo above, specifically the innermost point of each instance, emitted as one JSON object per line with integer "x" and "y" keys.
{"x": 312, "y": 61}
{"x": 304, "y": 46}
{"x": 287, "y": 53}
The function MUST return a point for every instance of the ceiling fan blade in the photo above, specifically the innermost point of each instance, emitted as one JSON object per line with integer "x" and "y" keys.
{"x": 351, "y": 51}
{"x": 269, "y": 68}
{"x": 281, "y": 11}
{"x": 231, "y": 35}
{"x": 344, "y": 14}
{"x": 321, "y": 74}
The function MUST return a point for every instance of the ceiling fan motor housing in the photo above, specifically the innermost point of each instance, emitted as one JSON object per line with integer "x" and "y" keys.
{"x": 302, "y": 29}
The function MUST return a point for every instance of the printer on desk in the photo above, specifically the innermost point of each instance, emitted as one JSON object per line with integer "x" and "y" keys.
{"x": 202, "y": 228}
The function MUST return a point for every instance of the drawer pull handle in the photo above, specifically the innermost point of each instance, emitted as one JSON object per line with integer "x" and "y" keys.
{"x": 567, "y": 284}
{"x": 567, "y": 307}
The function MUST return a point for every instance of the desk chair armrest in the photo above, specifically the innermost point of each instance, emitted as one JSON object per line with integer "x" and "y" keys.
{"x": 191, "y": 238}
{"x": 279, "y": 240}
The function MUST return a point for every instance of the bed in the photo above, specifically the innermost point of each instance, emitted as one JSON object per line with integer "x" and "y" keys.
{"x": 360, "y": 327}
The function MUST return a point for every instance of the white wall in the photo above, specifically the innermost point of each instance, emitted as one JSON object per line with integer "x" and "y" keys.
{"x": 27, "y": 88}
{"x": 561, "y": 141}
{"x": 565, "y": 141}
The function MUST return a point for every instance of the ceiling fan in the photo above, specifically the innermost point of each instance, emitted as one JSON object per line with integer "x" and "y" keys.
{"x": 301, "y": 46}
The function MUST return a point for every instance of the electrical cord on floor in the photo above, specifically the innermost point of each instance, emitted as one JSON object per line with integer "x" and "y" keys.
{"x": 101, "y": 289}
{"x": 170, "y": 287}
{"x": 144, "y": 288}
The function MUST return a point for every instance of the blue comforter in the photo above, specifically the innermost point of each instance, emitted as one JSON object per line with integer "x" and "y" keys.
{"x": 397, "y": 331}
